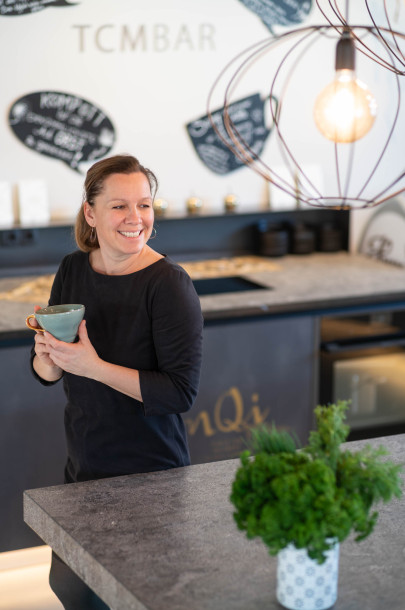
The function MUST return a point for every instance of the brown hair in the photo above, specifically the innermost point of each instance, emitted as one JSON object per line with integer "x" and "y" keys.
{"x": 93, "y": 185}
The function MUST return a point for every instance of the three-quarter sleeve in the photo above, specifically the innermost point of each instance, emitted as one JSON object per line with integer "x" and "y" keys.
{"x": 177, "y": 325}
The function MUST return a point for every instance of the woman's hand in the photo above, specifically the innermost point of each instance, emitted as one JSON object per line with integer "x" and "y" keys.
{"x": 43, "y": 363}
{"x": 40, "y": 343}
{"x": 82, "y": 359}
{"x": 77, "y": 358}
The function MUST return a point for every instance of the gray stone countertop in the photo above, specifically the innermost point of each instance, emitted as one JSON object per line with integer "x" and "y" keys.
{"x": 315, "y": 281}
{"x": 167, "y": 541}
{"x": 300, "y": 283}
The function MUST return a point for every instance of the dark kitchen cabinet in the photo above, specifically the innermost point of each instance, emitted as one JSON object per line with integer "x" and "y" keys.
{"x": 32, "y": 442}
{"x": 255, "y": 370}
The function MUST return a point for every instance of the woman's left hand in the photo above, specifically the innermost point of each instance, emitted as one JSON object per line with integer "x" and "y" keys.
{"x": 78, "y": 358}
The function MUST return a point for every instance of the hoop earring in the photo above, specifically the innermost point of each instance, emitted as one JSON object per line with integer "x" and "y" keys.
{"x": 153, "y": 235}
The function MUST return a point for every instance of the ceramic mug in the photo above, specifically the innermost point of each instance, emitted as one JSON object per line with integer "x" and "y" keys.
{"x": 62, "y": 321}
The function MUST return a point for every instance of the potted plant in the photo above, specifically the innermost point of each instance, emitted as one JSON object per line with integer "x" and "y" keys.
{"x": 303, "y": 503}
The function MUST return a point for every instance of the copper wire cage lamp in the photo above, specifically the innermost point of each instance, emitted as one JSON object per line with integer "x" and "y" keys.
{"x": 359, "y": 168}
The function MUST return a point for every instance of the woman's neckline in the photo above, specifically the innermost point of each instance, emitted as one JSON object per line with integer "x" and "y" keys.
{"x": 159, "y": 260}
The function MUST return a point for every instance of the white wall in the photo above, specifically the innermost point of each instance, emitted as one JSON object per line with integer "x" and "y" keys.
{"x": 150, "y": 92}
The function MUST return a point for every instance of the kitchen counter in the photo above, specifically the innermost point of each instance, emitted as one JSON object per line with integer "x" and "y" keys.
{"x": 313, "y": 282}
{"x": 167, "y": 541}
{"x": 297, "y": 284}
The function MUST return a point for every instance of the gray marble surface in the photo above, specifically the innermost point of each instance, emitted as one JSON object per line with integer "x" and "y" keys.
{"x": 167, "y": 541}
{"x": 299, "y": 283}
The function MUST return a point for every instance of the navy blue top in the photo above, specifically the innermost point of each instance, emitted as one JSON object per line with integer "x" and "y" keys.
{"x": 151, "y": 321}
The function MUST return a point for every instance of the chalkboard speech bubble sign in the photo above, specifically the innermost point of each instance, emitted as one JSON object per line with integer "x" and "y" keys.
{"x": 279, "y": 12}
{"x": 62, "y": 126}
{"x": 248, "y": 116}
{"x": 14, "y": 8}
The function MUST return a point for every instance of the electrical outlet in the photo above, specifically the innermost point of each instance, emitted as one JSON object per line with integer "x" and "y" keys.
{"x": 27, "y": 237}
{"x": 17, "y": 237}
{"x": 9, "y": 237}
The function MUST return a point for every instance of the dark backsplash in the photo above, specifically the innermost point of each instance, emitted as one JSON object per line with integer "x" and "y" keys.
{"x": 36, "y": 250}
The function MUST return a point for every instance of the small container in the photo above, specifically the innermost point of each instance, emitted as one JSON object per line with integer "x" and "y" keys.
{"x": 274, "y": 240}
{"x": 194, "y": 205}
{"x": 302, "y": 240}
{"x": 330, "y": 238}
{"x": 304, "y": 584}
{"x": 230, "y": 202}
{"x": 160, "y": 207}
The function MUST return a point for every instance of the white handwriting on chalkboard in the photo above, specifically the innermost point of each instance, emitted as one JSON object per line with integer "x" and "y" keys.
{"x": 68, "y": 104}
{"x": 11, "y": 7}
{"x": 158, "y": 38}
{"x": 63, "y": 126}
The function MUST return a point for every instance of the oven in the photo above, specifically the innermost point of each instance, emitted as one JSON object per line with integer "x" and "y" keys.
{"x": 362, "y": 359}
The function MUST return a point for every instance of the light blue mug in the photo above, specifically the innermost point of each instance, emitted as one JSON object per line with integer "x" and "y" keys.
{"x": 62, "y": 321}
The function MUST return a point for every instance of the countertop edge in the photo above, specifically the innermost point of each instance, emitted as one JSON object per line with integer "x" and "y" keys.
{"x": 80, "y": 560}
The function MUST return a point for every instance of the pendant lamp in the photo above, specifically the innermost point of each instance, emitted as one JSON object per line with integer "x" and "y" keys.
{"x": 338, "y": 109}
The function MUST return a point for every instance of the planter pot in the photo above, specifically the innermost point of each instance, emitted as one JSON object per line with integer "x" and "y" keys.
{"x": 304, "y": 584}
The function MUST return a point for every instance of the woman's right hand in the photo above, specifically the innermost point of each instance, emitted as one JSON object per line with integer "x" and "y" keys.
{"x": 40, "y": 345}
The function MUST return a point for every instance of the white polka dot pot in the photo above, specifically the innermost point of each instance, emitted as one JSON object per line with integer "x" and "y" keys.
{"x": 304, "y": 584}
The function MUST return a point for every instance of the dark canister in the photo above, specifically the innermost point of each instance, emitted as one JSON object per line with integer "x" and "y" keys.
{"x": 330, "y": 238}
{"x": 303, "y": 239}
{"x": 274, "y": 239}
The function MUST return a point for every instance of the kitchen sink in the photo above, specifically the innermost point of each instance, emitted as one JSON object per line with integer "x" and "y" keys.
{"x": 220, "y": 285}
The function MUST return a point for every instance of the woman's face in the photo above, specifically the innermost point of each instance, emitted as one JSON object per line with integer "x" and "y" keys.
{"x": 122, "y": 214}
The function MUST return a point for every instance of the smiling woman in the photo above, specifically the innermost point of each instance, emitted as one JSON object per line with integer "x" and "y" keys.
{"x": 135, "y": 367}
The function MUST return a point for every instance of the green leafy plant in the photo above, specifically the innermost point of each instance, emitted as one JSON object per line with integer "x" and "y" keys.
{"x": 314, "y": 496}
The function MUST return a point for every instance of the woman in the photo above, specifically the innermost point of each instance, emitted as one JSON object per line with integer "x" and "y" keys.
{"x": 135, "y": 367}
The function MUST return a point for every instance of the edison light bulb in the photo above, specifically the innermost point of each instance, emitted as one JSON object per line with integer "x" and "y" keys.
{"x": 345, "y": 110}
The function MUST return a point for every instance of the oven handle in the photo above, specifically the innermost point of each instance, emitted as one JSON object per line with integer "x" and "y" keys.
{"x": 349, "y": 345}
